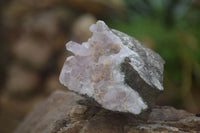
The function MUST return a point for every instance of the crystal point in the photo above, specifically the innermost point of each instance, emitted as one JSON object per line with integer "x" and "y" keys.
{"x": 114, "y": 69}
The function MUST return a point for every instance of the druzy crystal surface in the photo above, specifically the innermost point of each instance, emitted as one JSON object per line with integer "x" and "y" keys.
{"x": 114, "y": 69}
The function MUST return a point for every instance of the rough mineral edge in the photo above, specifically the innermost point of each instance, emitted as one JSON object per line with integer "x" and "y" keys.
{"x": 148, "y": 71}
{"x": 95, "y": 70}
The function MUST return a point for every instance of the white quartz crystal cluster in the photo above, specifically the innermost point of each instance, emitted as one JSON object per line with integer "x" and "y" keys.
{"x": 95, "y": 70}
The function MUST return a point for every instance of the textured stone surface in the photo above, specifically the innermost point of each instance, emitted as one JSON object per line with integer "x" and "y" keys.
{"x": 115, "y": 70}
{"x": 62, "y": 113}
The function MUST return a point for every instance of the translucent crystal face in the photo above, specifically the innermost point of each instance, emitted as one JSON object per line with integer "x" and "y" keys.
{"x": 94, "y": 70}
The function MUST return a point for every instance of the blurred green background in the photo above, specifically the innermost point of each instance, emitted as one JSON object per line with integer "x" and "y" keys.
{"x": 33, "y": 35}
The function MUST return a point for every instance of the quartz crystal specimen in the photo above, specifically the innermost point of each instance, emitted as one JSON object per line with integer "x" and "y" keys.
{"x": 115, "y": 70}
